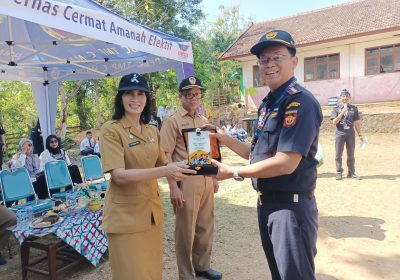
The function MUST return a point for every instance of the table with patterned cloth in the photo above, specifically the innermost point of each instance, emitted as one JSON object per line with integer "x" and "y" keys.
{"x": 82, "y": 230}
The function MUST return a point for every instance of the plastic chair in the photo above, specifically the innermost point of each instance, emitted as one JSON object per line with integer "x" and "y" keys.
{"x": 93, "y": 170}
{"x": 57, "y": 179}
{"x": 16, "y": 185}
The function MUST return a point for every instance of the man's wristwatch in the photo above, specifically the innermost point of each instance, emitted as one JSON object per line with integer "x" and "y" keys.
{"x": 236, "y": 175}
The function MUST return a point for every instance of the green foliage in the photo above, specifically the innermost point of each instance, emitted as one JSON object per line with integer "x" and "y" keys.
{"x": 251, "y": 91}
{"x": 17, "y": 106}
{"x": 164, "y": 87}
{"x": 175, "y": 17}
{"x": 209, "y": 44}
{"x": 83, "y": 109}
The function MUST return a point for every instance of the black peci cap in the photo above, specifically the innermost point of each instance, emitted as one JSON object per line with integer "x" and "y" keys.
{"x": 190, "y": 82}
{"x": 133, "y": 81}
{"x": 274, "y": 37}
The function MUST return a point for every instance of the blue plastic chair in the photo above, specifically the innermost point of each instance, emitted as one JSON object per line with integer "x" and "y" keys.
{"x": 57, "y": 179}
{"x": 16, "y": 185}
{"x": 93, "y": 171}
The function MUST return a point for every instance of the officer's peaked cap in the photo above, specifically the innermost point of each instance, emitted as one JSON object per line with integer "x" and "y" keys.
{"x": 190, "y": 82}
{"x": 274, "y": 37}
{"x": 133, "y": 81}
{"x": 344, "y": 92}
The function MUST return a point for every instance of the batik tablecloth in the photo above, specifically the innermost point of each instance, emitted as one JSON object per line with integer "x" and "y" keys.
{"x": 81, "y": 230}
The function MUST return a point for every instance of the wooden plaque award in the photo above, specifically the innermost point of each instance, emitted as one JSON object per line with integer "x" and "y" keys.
{"x": 201, "y": 147}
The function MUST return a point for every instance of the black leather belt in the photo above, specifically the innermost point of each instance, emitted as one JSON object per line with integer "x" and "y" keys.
{"x": 284, "y": 197}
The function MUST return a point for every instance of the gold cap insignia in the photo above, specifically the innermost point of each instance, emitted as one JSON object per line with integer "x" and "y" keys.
{"x": 271, "y": 35}
{"x": 192, "y": 80}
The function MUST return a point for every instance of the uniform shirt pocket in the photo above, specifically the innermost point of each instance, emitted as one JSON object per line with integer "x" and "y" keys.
{"x": 127, "y": 213}
{"x": 271, "y": 133}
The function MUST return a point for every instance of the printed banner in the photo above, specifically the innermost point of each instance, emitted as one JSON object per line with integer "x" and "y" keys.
{"x": 100, "y": 25}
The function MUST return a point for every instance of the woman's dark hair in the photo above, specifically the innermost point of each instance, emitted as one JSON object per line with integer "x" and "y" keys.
{"x": 52, "y": 150}
{"x": 119, "y": 110}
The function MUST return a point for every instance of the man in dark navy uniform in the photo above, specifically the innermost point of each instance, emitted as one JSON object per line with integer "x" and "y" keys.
{"x": 282, "y": 164}
{"x": 346, "y": 117}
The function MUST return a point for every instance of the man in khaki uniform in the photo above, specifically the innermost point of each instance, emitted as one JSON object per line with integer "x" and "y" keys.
{"x": 193, "y": 198}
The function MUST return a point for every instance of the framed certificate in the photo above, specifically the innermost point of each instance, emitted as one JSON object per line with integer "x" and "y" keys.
{"x": 201, "y": 146}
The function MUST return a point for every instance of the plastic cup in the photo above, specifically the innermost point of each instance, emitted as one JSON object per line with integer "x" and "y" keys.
{"x": 29, "y": 213}
{"x": 70, "y": 199}
{"x": 22, "y": 216}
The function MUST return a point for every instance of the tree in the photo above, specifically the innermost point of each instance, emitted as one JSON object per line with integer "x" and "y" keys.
{"x": 65, "y": 99}
{"x": 17, "y": 106}
{"x": 175, "y": 17}
{"x": 212, "y": 41}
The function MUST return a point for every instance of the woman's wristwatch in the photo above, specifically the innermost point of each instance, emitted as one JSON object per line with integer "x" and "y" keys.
{"x": 236, "y": 175}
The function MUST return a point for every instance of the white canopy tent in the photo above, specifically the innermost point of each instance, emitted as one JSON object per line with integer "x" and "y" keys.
{"x": 48, "y": 41}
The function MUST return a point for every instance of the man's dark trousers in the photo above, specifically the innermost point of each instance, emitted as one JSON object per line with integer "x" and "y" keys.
{"x": 349, "y": 139}
{"x": 289, "y": 235}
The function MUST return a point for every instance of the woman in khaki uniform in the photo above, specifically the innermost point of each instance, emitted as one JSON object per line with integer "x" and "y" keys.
{"x": 133, "y": 212}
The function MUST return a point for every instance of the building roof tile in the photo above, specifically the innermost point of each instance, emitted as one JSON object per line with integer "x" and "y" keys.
{"x": 348, "y": 20}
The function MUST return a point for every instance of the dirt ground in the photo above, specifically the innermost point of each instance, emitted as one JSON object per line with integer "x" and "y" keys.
{"x": 359, "y": 223}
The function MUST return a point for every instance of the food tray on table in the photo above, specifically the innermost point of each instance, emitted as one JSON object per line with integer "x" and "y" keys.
{"x": 44, "y": 222}
{"x": 70, "y": 211}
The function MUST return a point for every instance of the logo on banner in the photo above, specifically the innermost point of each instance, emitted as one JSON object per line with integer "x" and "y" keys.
{"x": 183, "y": 50}
{"x": 62, "y": 35}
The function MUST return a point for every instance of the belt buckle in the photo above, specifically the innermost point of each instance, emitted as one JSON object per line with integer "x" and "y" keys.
{"x": 295, "y": 197}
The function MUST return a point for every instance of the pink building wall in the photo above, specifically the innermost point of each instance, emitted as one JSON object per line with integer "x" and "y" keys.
{"x": 366, "y": 89}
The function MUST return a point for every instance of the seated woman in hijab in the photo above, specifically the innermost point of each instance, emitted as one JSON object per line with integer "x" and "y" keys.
{"x": 26, "y": 158}
{"x": 54, "y": 152}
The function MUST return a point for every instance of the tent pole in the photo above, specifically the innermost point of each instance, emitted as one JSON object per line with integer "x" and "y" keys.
{"x": 46, "y": 89}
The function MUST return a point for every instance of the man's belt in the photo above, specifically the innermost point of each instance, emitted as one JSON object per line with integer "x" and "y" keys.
{"x": 284, "y": 197}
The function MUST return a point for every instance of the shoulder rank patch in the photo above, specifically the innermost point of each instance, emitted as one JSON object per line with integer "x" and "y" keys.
{"x": 290, "y": 119}
{"x": 293, "y": 104}
{"x": 294, "y": 89}
{"x": 109, "y": 134}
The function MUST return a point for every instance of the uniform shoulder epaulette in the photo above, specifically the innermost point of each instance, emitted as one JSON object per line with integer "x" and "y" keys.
{"x": 113, "y": 121}
{"x": 295, "y": 89}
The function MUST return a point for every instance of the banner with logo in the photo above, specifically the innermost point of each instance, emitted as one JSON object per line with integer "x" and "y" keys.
{"x": 86, "y": 18}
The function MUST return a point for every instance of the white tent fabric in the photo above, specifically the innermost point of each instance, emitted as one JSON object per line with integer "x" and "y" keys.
{"x": 45, "y": 42}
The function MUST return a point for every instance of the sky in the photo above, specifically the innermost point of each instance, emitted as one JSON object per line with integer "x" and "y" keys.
{"x": 262, "y": 10}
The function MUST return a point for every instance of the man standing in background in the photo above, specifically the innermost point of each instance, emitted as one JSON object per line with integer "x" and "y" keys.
{"x": 346, "y": 118}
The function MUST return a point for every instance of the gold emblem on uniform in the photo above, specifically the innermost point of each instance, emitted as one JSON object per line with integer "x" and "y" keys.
{"x": 271, "y": 35}
{"x": 290, "y": 119}
{"x": 192, "y": 80}
{"x": 293, "y": 104}
{"x": 151, "y": 140}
